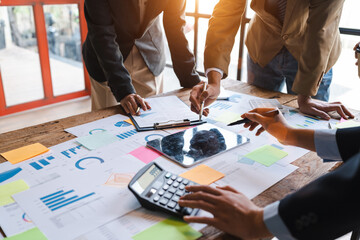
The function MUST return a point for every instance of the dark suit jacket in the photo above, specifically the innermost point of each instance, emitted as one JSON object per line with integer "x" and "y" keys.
{"x": 330, "y": 206}
{"x": 114, "y": 28}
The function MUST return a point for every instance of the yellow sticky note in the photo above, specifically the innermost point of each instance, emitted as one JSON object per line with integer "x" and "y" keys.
{"x": 129, "y": 121}
{"x": 348, "y": 124}
{"x": 228, "y": 117}
{"x": 9, "y": 189}
{"x": 32, "y": 234}
{"x": 24, "y": 153}
{"x": 203, "y": 175}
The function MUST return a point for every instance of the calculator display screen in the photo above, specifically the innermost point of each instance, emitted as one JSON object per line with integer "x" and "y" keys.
{"x": 146, "y": 179}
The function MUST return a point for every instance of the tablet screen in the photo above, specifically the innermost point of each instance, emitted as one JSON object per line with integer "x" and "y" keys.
{"x": 197, "y": 144}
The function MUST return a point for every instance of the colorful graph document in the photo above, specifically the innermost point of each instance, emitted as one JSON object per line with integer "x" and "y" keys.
{"x": 75, "y": 204}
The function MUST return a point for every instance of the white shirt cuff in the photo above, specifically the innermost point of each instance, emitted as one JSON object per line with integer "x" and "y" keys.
{"x": 274, "y": 223}
{"x": 326, "y": 145}
{"x": 214, "y": 69}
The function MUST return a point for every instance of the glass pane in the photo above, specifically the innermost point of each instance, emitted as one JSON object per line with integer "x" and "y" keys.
{"x": 190, "y": 6}
{"x": 203, "y": 27}
{"x": 345, "y": 86}
{"x": 350, "y": 17}
{"x": 19, "y": 58}
{"x": 207, "y": 6}
{"x": 63, "y": 34}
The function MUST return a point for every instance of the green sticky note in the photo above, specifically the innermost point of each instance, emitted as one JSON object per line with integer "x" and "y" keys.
{"x": 348, "y": 124}
{"x": 97, "y": 140}
{"x": 228, "y": 117}
{"x": 266, "y": 155}
{"x": 9, "y": 189}
{"x": 169, "y": 229}
{"x": 32, "y": 234}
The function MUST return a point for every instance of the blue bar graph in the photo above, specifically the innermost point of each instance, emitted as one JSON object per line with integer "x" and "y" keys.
{"x": 59, "y": 199}
{"x": 50, "y": 158}
{"x": 68, "y": 153}
{"x": 44, "y": 162}
{"x": 220, "y": 105}
{"x": 36, "y": 165}
{"x": 127, "y": 134}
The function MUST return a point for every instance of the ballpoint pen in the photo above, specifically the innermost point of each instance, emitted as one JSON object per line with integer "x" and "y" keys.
{"x": 271, "y": 113}
{"x": 202, "y": 104}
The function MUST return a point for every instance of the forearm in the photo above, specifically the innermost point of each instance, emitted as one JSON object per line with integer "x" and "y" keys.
{"x": 303, "y": 138}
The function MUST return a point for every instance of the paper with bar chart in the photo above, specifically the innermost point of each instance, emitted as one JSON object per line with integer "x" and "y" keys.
{"x": 71, "y": 206}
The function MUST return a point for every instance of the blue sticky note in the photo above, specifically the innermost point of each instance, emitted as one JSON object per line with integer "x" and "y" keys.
{"x": 97, "y": 140}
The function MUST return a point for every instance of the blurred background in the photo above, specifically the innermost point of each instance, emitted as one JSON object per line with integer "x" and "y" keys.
{"x": 42, "y": 76}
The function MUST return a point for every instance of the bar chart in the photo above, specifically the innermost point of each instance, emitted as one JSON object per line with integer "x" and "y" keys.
{"x": 41, "y": 163}
{"x": 71, "y": 151}
{"x": 60, "y": 199}
{"x": 127, "y": 134}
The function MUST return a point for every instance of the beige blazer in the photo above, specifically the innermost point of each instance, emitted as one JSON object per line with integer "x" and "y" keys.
{"x": 310, "y": 32}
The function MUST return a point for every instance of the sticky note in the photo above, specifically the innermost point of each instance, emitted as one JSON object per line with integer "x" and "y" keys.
{"x": 202, "y": 174}
{"x": 97, "y": 140}
{"x": 129, "y": 121}
{"x": 228, "y": 117}
{"x": 9, "y": 189}
{"x": 266, "y": 155}
{"x": 347, "y": 124}
{"x": 145, "y": 154}
{"x": 119, "y": 180}
{"x": 32, "y": 234}
{"x": 24, "y": 153}
{"x": 169, "y": 229}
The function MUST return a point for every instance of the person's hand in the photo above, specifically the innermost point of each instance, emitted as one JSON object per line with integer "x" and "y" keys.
{"x": 356, "y": 56}
{"x": 276, "y": 125}
{"x": 232, "y": 211}
{"x": 132, "y": 102}
{"x": 320, "y": 109}
{"x": 197, "y": 95}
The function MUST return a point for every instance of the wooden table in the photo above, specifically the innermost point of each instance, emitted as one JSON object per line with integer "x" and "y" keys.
{"x": 52, "y": 133}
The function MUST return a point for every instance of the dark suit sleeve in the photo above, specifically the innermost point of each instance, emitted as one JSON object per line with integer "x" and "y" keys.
{"x": 348, "y": 142}
{"x": 326, "y": 208}
{"x": 182, "y": 58}
{"x": 102, "y": 35}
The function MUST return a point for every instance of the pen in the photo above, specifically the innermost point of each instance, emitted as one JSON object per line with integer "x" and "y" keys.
{"x": 271, "y": 113}
{"x": 202, "y": 104}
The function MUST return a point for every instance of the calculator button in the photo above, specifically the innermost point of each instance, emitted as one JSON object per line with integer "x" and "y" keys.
{"x": 171, "y": 204}
{"x": 161, "y": 192}
{"x": 187, "y": 211}
{"x": 164, "y": 201}
{"x": 168, "y": 195}
{"x": 157, "y": 198}
{"x": 175, "y": 198}
{"x": 186, "y": 182}
{"x": 166, "y": 187}
{"x": 172, "y": 190}
{"x": 179, "y": 193}
{"x": 173, "y": 177}
{"x": 179, "y": 179}
{"x": 176, "y": 184}
{"x": 169, "y": 182}
{"x": 178, "y": 208}
{"x": 182, "y": 187}
{"x": 168, "y": 175}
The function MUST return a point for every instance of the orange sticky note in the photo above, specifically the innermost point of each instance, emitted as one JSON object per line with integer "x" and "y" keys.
{"x": 129, "y": 121}
{"x": 203, "y": 174}
{"x": 24, "y": 153}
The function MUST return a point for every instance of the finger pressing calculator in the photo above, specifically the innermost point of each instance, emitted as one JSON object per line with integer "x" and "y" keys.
{"x": 157, "y": 189}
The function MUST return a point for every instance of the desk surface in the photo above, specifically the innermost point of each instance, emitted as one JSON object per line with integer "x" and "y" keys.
{"x": 52, "y": 133}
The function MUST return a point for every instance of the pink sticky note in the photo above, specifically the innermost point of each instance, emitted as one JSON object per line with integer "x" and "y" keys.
{"x": 145, "y": 154}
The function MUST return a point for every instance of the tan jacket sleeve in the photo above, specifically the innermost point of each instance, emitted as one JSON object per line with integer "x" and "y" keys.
{"x": 320, "y": 37}
{"x": 223, "y": 26}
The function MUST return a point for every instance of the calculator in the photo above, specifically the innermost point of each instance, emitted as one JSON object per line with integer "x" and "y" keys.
{"x": 160, "y": 190}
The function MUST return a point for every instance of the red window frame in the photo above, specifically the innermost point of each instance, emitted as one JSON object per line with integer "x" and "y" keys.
{"x": 42, "y": 42}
